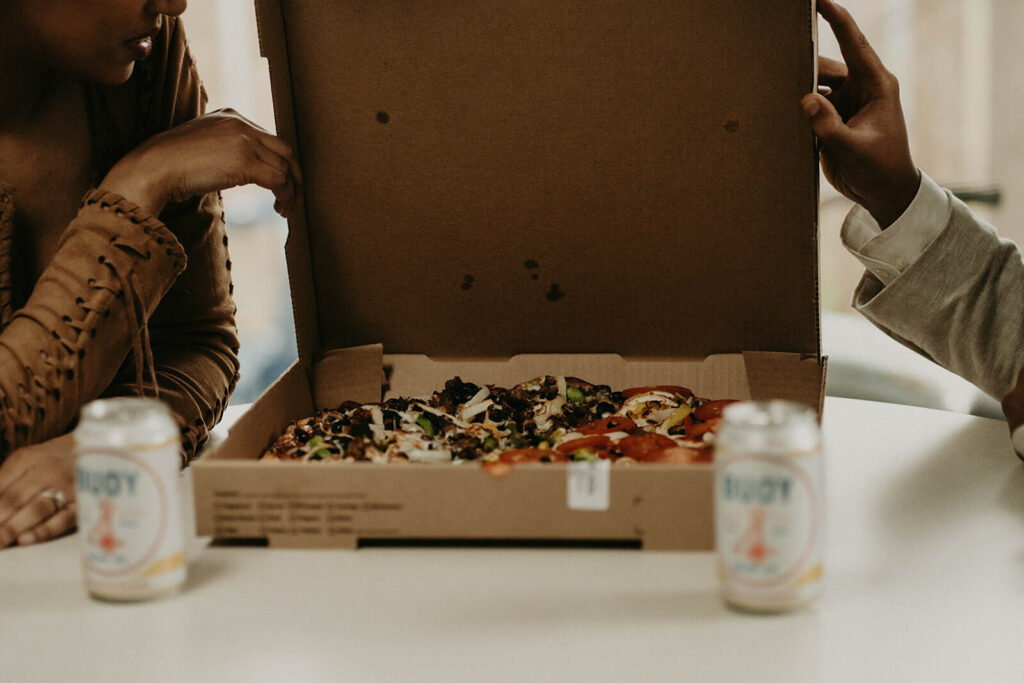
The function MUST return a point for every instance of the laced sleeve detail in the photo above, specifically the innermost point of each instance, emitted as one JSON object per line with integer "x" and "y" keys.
{"x": 89, "y": 307}
{"x": 6, "y": 225}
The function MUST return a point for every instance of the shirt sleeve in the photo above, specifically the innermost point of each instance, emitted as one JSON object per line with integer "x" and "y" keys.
{"x": 888, "y": 253}
{"x": 960, "y": 303}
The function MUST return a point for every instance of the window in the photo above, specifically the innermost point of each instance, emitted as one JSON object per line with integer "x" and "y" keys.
{"x": 223, "y": 38}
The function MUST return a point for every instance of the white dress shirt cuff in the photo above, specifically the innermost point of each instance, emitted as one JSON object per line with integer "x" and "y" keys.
{"x": 888, "y": 253}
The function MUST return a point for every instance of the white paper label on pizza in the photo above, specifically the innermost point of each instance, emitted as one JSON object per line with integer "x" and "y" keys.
{"x": 589, "y": 485}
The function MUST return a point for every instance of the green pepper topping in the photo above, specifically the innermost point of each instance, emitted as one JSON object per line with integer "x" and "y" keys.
{"x": 490, "y": 444}
{"x": 574, "y": 394}
{"x": 585, "y": 454}
{"x": 319, "y": 448}
{"x": 426, "y": 424}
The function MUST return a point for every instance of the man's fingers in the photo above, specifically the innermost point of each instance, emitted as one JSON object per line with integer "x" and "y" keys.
{"x": 825, "y": 120}
{"x": 831, "y": 72}
{"x": 56, "y": 525}
{"x": 857, "y": 52}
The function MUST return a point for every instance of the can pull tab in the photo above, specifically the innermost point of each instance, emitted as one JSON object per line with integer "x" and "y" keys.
{"x": 589, "y": 485}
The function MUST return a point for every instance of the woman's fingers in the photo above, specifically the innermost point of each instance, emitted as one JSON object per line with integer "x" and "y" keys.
{"x": 274, "y": 173}
{"x": 269, "y": 140}
{"x": 13, "y": 498}
{"x": 214, "y": 152}
{"x": 56, "y": 525}
{"x": 45, "y": 466}
{"x": 281, "y": 148}
{"x": 32, "y": 513}
{"x": 13, "y": 467}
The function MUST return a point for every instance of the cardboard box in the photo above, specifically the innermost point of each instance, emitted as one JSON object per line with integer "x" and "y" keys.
{"x": 621, "y": 191}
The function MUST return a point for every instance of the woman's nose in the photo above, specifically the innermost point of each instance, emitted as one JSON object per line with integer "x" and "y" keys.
{"x": 171, "y": 7}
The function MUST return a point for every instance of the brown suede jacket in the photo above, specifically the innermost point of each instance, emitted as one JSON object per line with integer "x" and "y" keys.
{"x": 130, "y": 303}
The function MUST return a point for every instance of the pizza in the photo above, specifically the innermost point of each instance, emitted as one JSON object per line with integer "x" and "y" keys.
{"x": 546, "y": 419}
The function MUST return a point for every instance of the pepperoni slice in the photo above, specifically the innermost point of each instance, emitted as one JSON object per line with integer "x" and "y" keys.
{"x": 640, "y": 445}
{"x": 614, "y": 423}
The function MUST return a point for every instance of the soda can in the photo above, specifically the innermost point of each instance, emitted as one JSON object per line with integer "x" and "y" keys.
{"x": 130, "y": 525}
{"x": 769, "y": 505}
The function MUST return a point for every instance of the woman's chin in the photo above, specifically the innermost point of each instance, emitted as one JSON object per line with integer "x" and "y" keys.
{"x": 114, "y": 74}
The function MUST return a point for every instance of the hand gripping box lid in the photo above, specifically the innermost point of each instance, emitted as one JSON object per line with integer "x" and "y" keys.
{"x": 626, "y": 192}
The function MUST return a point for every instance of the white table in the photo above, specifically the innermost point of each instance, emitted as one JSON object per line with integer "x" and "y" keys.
{"x": 925, "y": 582}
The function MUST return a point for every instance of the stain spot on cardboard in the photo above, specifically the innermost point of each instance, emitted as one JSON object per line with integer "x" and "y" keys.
{"x": 383, "y": 117}
{"x": 532, "y": 265}
{"x": 467, "y": 281}
{"x": 554, "y": 293}
{"x": 731, "y": 126}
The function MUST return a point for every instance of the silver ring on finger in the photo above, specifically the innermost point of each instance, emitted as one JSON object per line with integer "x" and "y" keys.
{"x": 57, "y": 497}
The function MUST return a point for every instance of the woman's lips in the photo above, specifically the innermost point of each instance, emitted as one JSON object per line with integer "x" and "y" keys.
{"x": 140, "y": 47}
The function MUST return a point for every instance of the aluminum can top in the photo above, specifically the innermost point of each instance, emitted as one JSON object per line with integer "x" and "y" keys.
{"x": 125, "y": 422}
{"x": 775, "y": 426}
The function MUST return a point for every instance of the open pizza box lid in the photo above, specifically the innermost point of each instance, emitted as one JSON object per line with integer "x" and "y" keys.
{"x": 492, "y": 178}
{"x": 621, "y": 191}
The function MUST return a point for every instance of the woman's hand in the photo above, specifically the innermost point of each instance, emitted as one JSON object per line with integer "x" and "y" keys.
{"x": 865, "y": 153}
{"x": 26, "y": 515}
{"x": 214, "y": 152}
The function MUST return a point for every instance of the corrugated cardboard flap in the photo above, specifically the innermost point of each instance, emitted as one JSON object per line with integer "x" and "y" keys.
{"x": 489, "y": 178}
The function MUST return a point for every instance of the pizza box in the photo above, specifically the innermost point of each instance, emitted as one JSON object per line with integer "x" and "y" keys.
{"x": 620, "y": 191}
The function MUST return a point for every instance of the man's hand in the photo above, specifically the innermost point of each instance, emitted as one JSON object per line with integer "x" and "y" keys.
{"x": 27, "y": 516}
{"x": 865, "y": 154}
{"x": 1013, "y": 408}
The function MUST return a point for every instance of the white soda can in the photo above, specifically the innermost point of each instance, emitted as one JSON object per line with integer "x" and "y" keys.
{"x": 769, "y": 505}
{"x": 130, "y": 525}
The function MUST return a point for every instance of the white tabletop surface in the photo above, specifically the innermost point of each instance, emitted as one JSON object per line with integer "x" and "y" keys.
{"x": 924, "y": 582}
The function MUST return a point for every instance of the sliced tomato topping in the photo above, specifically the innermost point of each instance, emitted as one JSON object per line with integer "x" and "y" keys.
{"x": 614, "y": 423}
{"x": 642, "y": 444}
{"x": 670, "y": 388}
{"x": 594, "y": 441}
{"x": 698, "y": 429}
{"x": 706, "y": 411}
{"x": 519, "y": 455}
{"x": 677, "y": 455}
